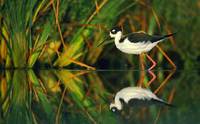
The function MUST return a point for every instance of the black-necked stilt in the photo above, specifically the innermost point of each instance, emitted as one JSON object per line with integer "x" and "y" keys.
{"x": 136, "y": 43}
{"x": 133, "y": 96}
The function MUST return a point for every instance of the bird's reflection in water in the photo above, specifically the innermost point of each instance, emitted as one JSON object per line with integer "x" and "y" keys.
{"x": 131, "y": 101}
{"x": 135, "y": 96}
{"x": 80, "y": 94}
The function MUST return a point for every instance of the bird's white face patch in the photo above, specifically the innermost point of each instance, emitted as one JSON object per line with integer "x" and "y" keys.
{"x": 115, "y": 106}
{"x": 113, "y": 30}
{"x": 112, "y": 35}
{"x": 113, "y": 109}
{"x": 112, "y": 105}
{"x": 117, "y": 35}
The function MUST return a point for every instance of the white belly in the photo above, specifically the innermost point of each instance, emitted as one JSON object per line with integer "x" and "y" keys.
{"x": 135, "y": 48}
{"x": 129, "y": 93}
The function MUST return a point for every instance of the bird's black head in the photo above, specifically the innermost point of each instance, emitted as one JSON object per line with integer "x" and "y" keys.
{"x": 115, "y": 110}
{"x": 114, "y": 30}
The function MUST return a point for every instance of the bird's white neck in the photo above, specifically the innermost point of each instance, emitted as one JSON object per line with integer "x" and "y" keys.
{"x": 118, "y": 36}
{"x": 118, "y": 104}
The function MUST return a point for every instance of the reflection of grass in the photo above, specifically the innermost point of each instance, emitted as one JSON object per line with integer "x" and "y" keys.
{"x": 80, "y": 96}
{"x": 32, "y": 99}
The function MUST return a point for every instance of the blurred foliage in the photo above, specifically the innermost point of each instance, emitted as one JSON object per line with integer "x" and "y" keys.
{"x": 182, "y": 17}
{"x": 30, "y": 28}
{"x": 57, "y": 33}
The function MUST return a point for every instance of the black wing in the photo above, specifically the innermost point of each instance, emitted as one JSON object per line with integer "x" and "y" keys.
{"x": 145, "y": 102}
{"x": 143, "y": 37}
{"x": 140, "y": 102}
{"x": 137, "y": 102}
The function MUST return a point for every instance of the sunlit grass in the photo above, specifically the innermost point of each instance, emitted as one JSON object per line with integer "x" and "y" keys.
{"x": 29, "y": 27}
{"x": 55, "y": 34}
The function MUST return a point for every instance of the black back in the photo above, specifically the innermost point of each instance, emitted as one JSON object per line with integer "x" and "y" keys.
{"x": 143, "y": 103}
{"x": 143, "y": 37}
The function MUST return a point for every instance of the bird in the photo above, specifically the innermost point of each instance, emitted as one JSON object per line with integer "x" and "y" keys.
{"x": 133, "y": 96}
{"x": 136, "y": 42}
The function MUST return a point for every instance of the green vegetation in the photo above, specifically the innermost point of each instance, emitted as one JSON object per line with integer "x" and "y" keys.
{"x": 60, "y": 96}
{"x": 59, "y": 33}
{"x": 53, "y": 33}
{"x": 26, "y": 98}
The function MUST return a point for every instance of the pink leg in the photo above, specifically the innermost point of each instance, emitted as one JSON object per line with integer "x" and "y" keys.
{"x": 153, "y": 62}
{"x": 152, "y": 79}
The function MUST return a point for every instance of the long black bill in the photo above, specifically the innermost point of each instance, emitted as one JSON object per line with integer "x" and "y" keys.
{"x": 107, "y": 40}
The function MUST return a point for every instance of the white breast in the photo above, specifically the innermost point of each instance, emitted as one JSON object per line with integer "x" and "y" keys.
{"x": 135, "y": 48}
{"x": 135, "y": 93}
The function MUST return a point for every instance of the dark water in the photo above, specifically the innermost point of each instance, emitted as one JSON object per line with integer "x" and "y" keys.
{"x": 69, "y": 96}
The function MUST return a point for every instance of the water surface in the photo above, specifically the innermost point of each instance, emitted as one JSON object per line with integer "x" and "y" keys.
{"x": 81, "y": 96}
